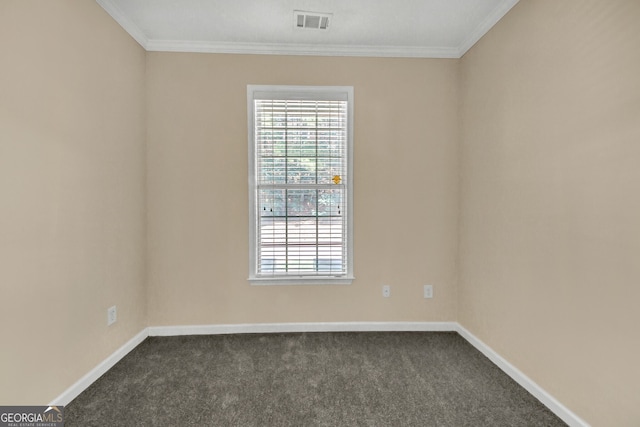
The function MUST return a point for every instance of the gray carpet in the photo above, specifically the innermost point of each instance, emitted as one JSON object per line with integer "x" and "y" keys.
{"x": 307, "y": 379}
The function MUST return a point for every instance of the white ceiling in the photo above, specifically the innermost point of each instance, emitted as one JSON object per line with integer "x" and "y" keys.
{"x": 401, "y": 28}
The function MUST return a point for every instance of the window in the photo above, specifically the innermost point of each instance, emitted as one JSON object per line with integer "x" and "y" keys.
{"x": 300, "y": 184}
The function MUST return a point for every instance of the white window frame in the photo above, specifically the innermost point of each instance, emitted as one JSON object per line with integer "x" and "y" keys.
{"x": 301, "y": 93}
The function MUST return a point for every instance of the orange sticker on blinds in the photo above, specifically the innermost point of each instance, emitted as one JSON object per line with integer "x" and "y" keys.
{"x": 336, "y": 179}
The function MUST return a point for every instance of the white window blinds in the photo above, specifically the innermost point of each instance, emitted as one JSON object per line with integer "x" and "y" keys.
{"x": 300, "y": 189}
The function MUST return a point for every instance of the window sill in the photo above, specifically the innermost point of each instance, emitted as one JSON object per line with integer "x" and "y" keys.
{"x": 320, "y": 280}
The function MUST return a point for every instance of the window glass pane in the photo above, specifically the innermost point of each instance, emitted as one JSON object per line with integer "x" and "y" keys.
{"x": 301, "y": 143}
{"x": 272, "y": 245}
{"x": 301, "y": 244}
{"x": 325, "y": 141}
{"x": 301, "y": 202}
{"x": 271, "y": 203}
{"x": 330, "y": 232}
{"x": 301, "y": 170}
{"x": 331, "y": 243}
{"x": 301, "y": 181}
{"x": 330, "y": 202}
{"x": 272, "y": 170}
{"x": 271, "y": 142}
{"x": 330, "y": 170}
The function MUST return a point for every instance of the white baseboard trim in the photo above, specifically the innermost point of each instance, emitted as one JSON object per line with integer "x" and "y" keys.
{"x": 83, "y": 383}
{"x": 262, "y": 328}
{"x": 527, "y": 383}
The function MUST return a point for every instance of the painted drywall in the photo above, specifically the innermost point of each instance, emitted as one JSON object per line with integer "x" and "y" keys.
{"x": 72, "y": 194}
{"x": 550, "y": 213}
{"x": 549, "y": 102}
{"x": 405, "y": 190}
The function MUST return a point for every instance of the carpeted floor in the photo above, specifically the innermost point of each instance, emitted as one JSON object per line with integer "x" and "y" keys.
{"x": 307, "y": 379}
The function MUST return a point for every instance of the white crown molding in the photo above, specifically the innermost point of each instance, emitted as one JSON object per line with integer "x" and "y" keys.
{"x": 126, "y": 23}
{"x": 527, "y": 383}
{"x": 153, "y": 45}
{"x": 482, "y": 29}
{"x": 300, "y": 49}
{"x": 83, "y": 383}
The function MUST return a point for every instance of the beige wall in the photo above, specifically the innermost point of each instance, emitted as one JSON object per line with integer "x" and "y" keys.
{"x": 406, "y": 190}
{"x": 537, "y": 126}
{"x": 550, "y": 212}
{"x": 72, "y": 194}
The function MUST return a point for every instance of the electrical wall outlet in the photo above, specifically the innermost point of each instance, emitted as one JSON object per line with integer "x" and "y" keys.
{"x": 112, "y": 315}
{"x": 386, "y": 291}
{"x": 428, "y": 291}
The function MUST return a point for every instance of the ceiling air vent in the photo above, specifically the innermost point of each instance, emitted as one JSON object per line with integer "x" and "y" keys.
{"x": 311, "y": 20}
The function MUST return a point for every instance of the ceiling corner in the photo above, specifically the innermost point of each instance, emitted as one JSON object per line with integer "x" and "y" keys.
{"x": 498, "y": 13}
{"x": 126, "y": 23}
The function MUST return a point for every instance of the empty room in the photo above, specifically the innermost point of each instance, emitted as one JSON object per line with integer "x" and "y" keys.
{"x": 320, "y": 212}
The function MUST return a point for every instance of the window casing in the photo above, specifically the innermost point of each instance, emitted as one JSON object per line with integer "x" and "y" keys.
{"x": 300, "y": 184}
